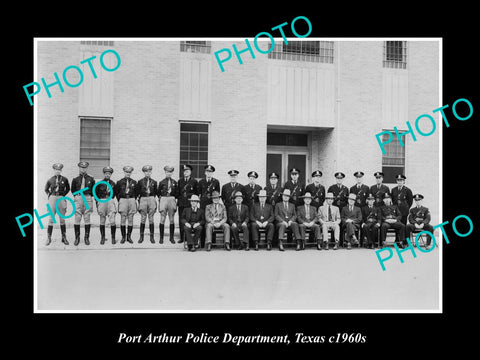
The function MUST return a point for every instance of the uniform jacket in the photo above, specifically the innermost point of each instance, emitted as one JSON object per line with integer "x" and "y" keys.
{"x": 390, "y": 211}
{"x": 282, "y": 214}
{"x": 103, "y": 191}
{"x": 355, "y": 214}
{"x": 205, "y": 189}
{"x": 419, "y": 215}
{"x": 302, "y": 214}
{"x": 141, "y": 189}
{"x": 374, "y": 190}
{"x": 251, "y": 194}
{"x": 162, "y": 188}
{"x": 120, "y": 189}
{"x": 322, "y": 214}
{"x": 318, "y": 194}
{"x": 77, "y": 184}
{"x": 228, "y": 193}
{"x": 296, "y": 190}
{"x": 361, "y": 193}
{"x": 273, "y": 195}
{"x": 402, "y": 198}
{"x": 192, "y": 217}
{"x": 340, "y": 193}
{"x": 257, "y": 214}
{"x": 371, "y": 214}
{"x": 60, "y": 187}
{"x": 186, "y": 188}
{"x": 219, "y": 215}
{"x": 238, "y": 217}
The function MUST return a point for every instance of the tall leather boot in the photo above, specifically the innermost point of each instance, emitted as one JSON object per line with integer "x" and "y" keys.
{"x": 142, "y": 231}
{"x": 63, "y": 229}
{"x": 113, "y": 229}
{"x": 123, "y": 231}
{"x": 280, "y": 245}
{"x": 172, "y": 232}
{"x": 129, "y": 234}
{"x": 77, "y": 234}
{"x": 87, "y": 234}
{"x": 49, "y": 234}
{"x": 299, "y": 246}
{"x": 102, "y": 234}
{"x": 162, "y": 232}
{"x": 152, "y": 231}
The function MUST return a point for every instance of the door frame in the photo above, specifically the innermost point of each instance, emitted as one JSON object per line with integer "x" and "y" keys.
{"x": 291, "y": 150}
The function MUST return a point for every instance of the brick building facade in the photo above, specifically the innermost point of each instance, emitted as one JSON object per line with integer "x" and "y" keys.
{"x": 313, "y": 105}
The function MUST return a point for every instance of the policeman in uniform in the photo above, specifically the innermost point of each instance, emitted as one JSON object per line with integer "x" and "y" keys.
{"x": 230, "y": 189}
{"x": 391, "y": 218}
{"x": 187, "y": 186}
{"x": 55, "y": 188}
{"x": 371, "y": 221}
{"x": 419, "y": 219}
{"x": 402, "y": 196}
{"x": 167, "y": 194}
{"x": 251, "y": 190}
{"x": 360, "y": 189}
{"x": 339, "y": 191}
{"x": 206, "y": 186}
{"x": 83, "y": 181}
{"x": 274, "y": 191}
{"x": 127, "y": 206}
{"x": 106, "y": 208}
{"x": 145, "y": 192}
{"x": 379, "y": 189}
{"x": 296, "y": 187}
{"x": 316, "y": 189}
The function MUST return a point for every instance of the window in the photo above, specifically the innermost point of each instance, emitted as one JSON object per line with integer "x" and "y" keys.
{"x": 95, "y": 144}
{"x": 195, "y": 46}
{"x": 313, "y": 51}
{"x": 194, "y": 147}
{"x": 96, "y": 43}
{"x": 284, "y": 139}
{"x": 395, "y": 54}
{"x": 393, "y": 161}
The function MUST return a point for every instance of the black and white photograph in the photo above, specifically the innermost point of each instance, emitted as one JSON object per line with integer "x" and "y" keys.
{"x": 217, "y": 180}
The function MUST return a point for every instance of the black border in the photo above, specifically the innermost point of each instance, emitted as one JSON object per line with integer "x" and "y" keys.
{"x": 96, "y": 334}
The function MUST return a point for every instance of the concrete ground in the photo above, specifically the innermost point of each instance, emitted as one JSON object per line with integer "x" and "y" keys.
{"x": 166, "y": 277}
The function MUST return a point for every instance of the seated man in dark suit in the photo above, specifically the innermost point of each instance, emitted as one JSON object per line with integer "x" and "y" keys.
{"x": 351, "y": 218}
{"x": 238, "y": 217}
{"x": 193, "y": 220}
{"x": 286, "y": 216}
{"x": 307, "y": 219}
{"x": 419, "y": 219}
{"x": 261, "y": 217}
{"x": 371, "y": 221}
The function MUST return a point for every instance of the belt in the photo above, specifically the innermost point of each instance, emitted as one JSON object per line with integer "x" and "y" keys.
{"x": 56, "y": 194}
{"x": 127, "y": 197}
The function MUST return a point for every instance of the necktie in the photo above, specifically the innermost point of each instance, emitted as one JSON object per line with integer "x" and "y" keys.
{"x": 329, "y": 213}
{"x": 56, "y": 182}
{"x": 216, "y": 210}
{"x": 285, "y": 205}
{"x": 148, "y": 186}
{"x": 83, "y": 182}
{"x": 127, "y": 188}
{"x": 238, "y": 207}
{"x": 169, "y": 186}
{"x": 351, "y": 208}
{"x": 308, "y": 212}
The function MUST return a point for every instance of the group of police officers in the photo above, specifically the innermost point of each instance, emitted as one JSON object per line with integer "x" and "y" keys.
{"x": 206, "y": 208}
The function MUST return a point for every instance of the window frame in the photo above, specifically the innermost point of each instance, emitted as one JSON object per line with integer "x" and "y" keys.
{"x": 396, "y": 61}
{"x": 108, "y": 159}
{"x": 200, "y": 163}
{"x": 295, "y": 50}
{"x": 394, "y": 142}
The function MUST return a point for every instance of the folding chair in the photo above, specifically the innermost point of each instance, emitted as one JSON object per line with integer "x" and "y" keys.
{"x": 357, "y": 234}
{"x": 422, "y": 239}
